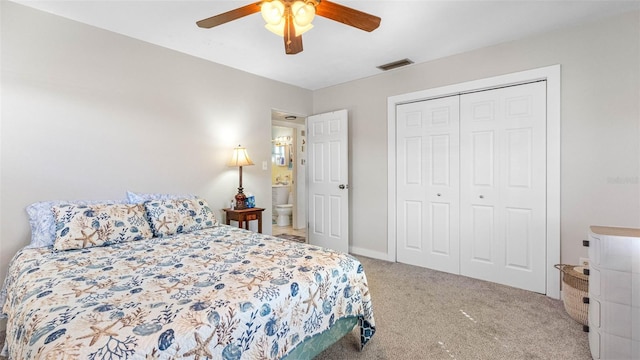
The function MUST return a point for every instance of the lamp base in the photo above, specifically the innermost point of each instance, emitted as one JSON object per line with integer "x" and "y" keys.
{"x": 241, "y": 201}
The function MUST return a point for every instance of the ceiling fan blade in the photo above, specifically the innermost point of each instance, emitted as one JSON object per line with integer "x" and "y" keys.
{"x": 347, "y": 15}
{"x": 229, "y": 16}
{"x": 292, "y": 43}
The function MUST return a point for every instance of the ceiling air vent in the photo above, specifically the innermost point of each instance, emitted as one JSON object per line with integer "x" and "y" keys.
{"x": 395, "y": 64}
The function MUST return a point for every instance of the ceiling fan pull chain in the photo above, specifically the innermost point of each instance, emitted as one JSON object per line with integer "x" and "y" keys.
{"x": 288, "y": 23}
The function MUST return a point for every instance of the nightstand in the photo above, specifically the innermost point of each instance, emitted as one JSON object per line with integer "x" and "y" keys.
{"x": 244, "y": 216}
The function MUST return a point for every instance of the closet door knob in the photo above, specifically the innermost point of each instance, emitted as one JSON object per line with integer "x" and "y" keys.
{"x": 481, "y": 196}
{"x": 439, "y": 194}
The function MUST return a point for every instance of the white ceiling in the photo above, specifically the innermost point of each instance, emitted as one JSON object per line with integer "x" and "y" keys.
{"x": 333, "y": 53}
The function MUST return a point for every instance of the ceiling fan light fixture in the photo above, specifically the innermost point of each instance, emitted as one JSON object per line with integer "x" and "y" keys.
{"x": 272, "y": 12}
{"x": 303, "y": 13}
{"x": 279, "y": 29}
{"x": 276, "y": 29}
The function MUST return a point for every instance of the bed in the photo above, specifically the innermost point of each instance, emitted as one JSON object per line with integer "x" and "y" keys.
{"x": 207, "y": 291}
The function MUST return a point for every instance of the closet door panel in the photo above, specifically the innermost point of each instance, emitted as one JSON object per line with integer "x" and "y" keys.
{"x": 483, "y": 159}
{"x": 440, "y": 226}
{"x": 440, "y": 152}
{"x": 518, "y": 231}
{"x": 412, "y": 239}
{"x": 410, "y": 196}
{"x": 482, "y": 233}
{"x": 519, "y": 157}
{"x": 503, "y": 167}
{"x": 427, "y": 178}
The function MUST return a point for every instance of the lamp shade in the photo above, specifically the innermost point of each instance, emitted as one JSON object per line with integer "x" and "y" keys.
{"x": 240, "y": 157}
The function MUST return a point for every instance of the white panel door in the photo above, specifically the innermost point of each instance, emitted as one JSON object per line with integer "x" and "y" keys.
{"x": 503, "y": 186}
{"x": 427, "y": 184}
{"x": 328, "y": 164}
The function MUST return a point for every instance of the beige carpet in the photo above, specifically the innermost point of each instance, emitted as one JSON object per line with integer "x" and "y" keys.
{"x": 426, "y": 314}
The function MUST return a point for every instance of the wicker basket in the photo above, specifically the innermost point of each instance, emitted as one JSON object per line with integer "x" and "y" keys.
{"x": 575, "y": 287}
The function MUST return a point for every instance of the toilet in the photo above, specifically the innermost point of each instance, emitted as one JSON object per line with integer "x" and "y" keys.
{"x": 284, "y": 212}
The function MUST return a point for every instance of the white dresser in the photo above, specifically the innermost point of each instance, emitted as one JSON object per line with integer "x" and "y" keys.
{"x": 614, "y": 293}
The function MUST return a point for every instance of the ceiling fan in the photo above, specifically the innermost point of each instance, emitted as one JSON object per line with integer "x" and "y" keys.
{"x": 291, "y": 18}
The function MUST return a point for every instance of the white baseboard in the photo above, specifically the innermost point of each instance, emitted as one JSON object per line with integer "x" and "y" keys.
{"x": 368, "y": 253}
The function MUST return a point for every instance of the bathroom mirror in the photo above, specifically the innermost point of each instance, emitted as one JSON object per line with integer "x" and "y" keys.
{"x": 279, "y": 157}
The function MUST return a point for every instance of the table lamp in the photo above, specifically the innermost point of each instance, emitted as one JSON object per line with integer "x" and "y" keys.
{"x": 240, "y": 158}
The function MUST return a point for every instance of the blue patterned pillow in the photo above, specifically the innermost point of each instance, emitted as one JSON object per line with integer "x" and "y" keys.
{"x": 138, "y": 198}
{"x": 176, "y": 216}
{"x": 205, "y": 218}
{"x": 83, "y": 226}
{"x": 43, "y": 228}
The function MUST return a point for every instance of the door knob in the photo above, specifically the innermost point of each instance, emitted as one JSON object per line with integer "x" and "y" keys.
{"x": 439, "y": 194}
{"x": 481, "y": 196}
{"x": 343, "y": 186}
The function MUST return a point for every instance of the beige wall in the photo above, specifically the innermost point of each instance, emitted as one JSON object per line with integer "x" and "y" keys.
{"x": 600, "y": 124}
{"x": 89, "y": 114}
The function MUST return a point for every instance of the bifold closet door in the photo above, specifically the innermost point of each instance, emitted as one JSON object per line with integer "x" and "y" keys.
{"x": 427, "y": 175}
{"x": 503, "y": 185}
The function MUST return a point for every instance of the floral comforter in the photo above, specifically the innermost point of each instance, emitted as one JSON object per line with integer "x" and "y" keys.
{"x": 219, "y": 293}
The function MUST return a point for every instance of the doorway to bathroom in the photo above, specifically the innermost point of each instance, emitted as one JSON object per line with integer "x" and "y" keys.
{"x": 288, "y": 175}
